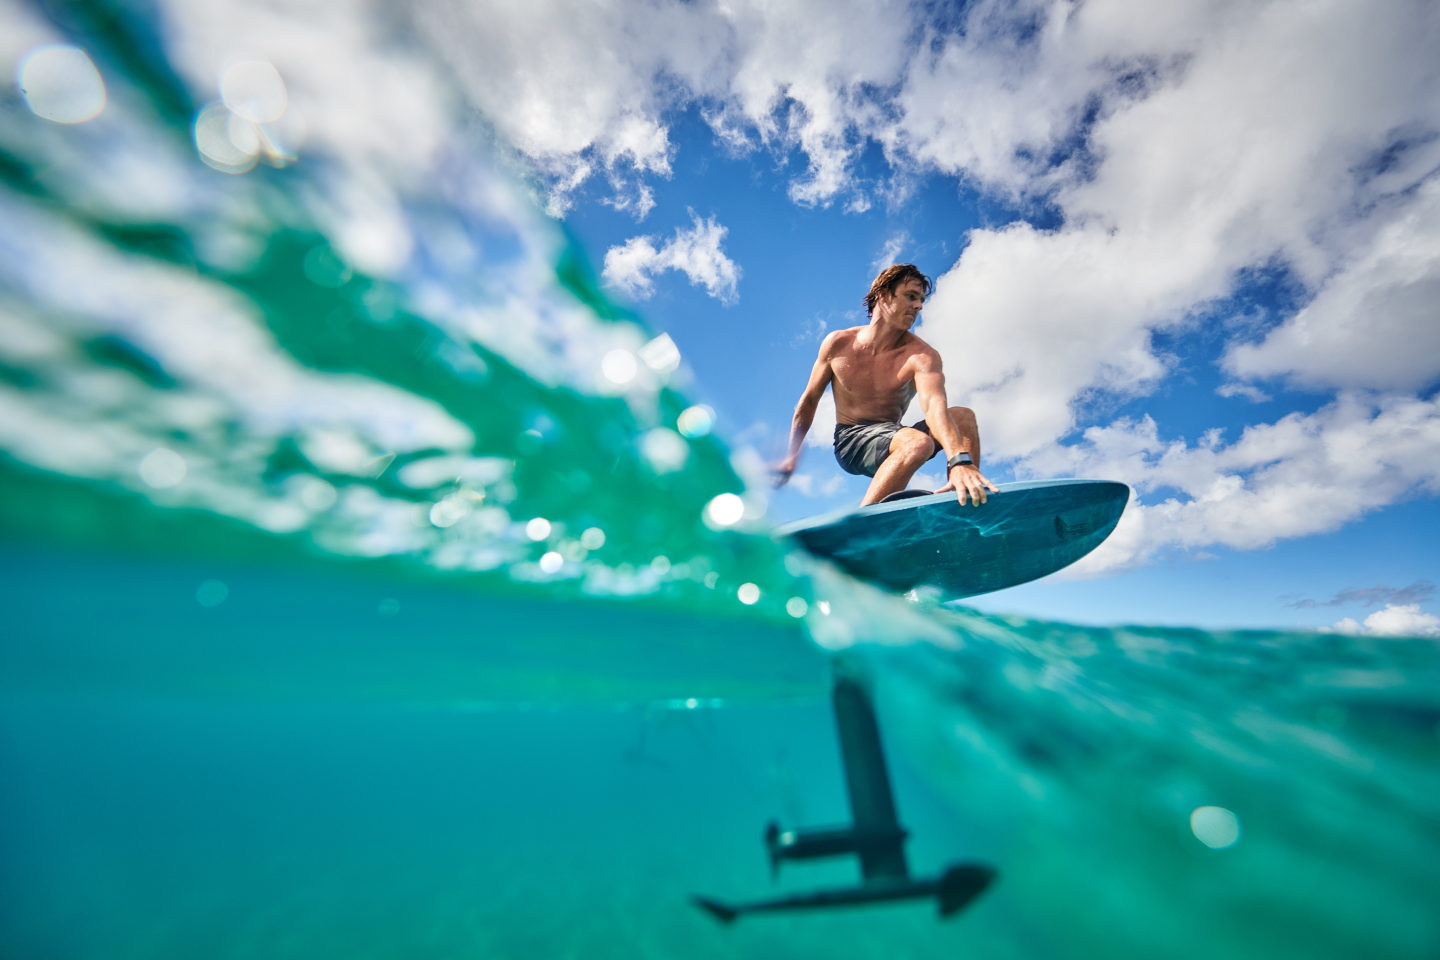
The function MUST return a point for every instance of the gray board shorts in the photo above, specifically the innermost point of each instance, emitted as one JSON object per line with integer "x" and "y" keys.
{"x": 860, "y": 448}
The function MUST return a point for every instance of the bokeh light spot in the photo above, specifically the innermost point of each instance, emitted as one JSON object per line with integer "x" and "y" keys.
{"x": 217, "y": 131}
{"x": 253, "y": 89}
{"x": 696, "y": 421}
{"x": 660, "y": 565}
{"x": 538, "y": 529}
{"x": 665, "y": 450}
{"x": 726, "y": 510}
{"x": 450, "y": 511}
{"x": 619, "y": 366}
{"x": 162, "y": 468}
{"x": 211, "y": 593}
{"x": 552, "y": 562}
{"x": 797, "y": 607}
{"x": 661, "y": 354}
{"x": 1215, "y": 827}
{"x": 748, "y": 593}
{"x": 60, "y": 83}
{"x": 593, "y": 538}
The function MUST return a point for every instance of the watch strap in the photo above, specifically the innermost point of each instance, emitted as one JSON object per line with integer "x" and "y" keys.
{"x": 961, "y": 459}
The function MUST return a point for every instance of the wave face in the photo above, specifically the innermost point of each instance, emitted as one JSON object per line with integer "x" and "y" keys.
{"x": 367, "y": 591}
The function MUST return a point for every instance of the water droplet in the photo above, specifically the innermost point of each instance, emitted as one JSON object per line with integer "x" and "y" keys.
{"x": 1215, "y": 827}
{"x": 211, "y": 593}
{"x": 619, "y": 366}
{"x": 696, "y": 421}
{"x": 162, "y": 468}
{"x": 60, "y": 83}
{"x": 253, "y": 90}
{"x": 726, "y": 510}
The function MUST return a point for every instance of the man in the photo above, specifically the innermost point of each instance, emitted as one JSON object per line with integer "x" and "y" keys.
{"x": 876, "y": 370}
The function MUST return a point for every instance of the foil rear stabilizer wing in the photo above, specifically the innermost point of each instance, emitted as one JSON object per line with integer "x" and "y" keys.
{"x": 953, "y": 891}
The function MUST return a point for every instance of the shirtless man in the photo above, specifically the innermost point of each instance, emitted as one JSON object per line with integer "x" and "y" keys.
{"x": 876, "y": 371}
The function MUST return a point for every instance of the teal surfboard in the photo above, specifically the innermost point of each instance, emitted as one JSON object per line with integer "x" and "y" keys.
{"x": 1022, "y": 533}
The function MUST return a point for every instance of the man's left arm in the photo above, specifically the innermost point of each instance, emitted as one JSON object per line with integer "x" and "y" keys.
{"x": 967, "y": 481}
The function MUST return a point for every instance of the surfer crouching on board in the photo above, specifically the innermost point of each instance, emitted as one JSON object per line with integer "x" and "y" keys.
{"x": 876, "y": 370}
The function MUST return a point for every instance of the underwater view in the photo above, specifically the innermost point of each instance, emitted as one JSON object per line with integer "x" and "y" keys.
{"x": 377, "y": 585}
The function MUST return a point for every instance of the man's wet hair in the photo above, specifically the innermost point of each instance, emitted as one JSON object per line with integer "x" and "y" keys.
{"x": 890, "y": 278}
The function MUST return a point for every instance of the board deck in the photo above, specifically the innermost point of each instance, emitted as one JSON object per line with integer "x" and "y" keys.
{"x": 1026, "y": 531}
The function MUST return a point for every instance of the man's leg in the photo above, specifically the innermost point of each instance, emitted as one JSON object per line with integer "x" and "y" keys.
{"x": 909, "y": 450}
{"x": 969, "y": 430}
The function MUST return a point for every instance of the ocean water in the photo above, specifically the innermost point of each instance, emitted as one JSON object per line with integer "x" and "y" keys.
{"x": 371, "y": 589}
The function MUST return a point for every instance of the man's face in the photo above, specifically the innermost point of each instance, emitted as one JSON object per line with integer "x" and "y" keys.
{"x": 902, "y": 308}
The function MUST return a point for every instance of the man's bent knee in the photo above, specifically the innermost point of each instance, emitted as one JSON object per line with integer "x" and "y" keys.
{"x": 912, "y": 446}
{"x": 962, "y": 415}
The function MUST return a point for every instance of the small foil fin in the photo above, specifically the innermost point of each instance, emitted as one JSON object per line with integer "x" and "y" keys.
{"x": 962, "y": 884}
{"x": 720, "y": 911}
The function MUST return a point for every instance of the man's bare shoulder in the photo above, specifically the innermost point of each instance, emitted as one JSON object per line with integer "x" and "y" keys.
{"x": 923, "y": 357}
{"x": 838, "y": 342}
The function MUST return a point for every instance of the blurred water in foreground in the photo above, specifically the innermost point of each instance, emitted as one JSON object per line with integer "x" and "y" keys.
{"x": 371, "y": 589}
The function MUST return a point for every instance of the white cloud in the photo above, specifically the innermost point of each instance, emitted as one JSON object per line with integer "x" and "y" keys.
{"x": 822, "y": 428}
{"x": 1302, "y": 475}
{"x": 1249, "y": 391}
{"x": 570, "y": 84}
{"x": 1394, "y": 621}
{"x": 890, "y": 250}
{"x": 695, "y": 252}
{"x": 1376, "y": 323}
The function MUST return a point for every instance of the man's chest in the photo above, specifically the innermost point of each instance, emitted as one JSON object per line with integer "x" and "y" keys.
{"x": 871, "y": 374}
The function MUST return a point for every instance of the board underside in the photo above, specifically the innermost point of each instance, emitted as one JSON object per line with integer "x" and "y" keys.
{"x": 1024, "y": 532}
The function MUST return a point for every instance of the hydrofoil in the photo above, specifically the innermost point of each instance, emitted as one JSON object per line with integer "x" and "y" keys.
{"x": 874, "y": 835}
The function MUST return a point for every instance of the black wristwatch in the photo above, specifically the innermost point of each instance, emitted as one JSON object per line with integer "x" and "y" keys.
{"x": 961, "y": 459}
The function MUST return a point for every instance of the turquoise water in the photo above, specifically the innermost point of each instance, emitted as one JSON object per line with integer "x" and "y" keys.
{"x": 290, "y": 669}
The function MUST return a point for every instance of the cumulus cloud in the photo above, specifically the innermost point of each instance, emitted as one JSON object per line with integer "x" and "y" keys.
{"x": 1302, "y": 475}
{"x": 695, "y": 252}
{"x": 1394, "y": 621}
{"x": 822, "y": 428}
{"x": 1374, "y": 324}
{"x": 585, "y": 88}
{"x": 890, "y": 250}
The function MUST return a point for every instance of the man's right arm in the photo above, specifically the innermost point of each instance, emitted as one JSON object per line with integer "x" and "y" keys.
{"x": 820, "y": 377}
